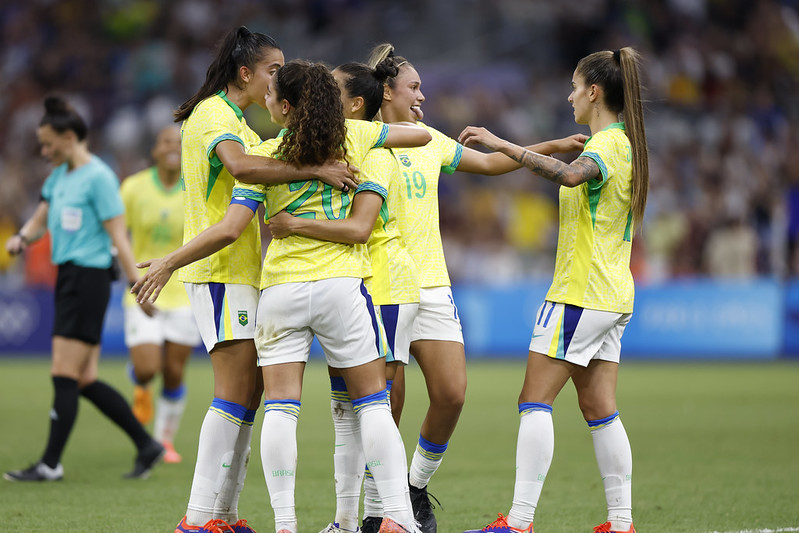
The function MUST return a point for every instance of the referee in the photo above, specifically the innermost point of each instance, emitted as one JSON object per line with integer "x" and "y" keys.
{"x": 81, "y": 207}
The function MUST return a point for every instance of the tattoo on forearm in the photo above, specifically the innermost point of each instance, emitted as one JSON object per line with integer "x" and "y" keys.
{"x": 555, "y": 170}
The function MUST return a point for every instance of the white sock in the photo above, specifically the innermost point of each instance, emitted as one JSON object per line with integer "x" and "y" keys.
{"x": 226, "y": 505}
{"x": 385, "y": 456}
{"x": 348, "y": 457}
{"x": 426, "y": 459}
{"x": 168, "y": 413}
{"x": 534, "y": 448}
{"x": 615, "y": 460}
{"x": 218, "y": 436}
{"x": 372, "y": 504}
{"x": 279, "y": 459}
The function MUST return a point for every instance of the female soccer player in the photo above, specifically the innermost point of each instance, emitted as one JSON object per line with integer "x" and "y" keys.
{"x": 223, "y": 288}
{"x": 305, "y": 98}
{"x": 393, "y": 283}
{"x": 161, "y": 343}
{"x": 578, "y": 329}
{"x": 436, "y": 338}
{"x": 81, "y": 207}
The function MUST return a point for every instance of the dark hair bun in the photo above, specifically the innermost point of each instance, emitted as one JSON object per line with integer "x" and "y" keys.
{"x": 55, "y": 105}
{"x": 386, "y": 69}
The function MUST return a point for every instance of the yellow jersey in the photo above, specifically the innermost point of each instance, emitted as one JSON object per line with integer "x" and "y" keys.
{"x": 417, "y": 215}
{"x": 592, "y": 265}
{"x": 154, "y": 217}
{"x": 297, "y": 258}
{"x": 208, "y": 189}
{"x": 394, "y": 278}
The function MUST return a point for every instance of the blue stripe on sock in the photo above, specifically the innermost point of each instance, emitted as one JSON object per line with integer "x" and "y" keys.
{"x": 337, "y": 383}
{"x": 174, "y": 394}
{"x": 529, "y": 407}
{"x": 602, "y": 421}
{"x": 291, "y": 407}
{"x": 432, "y": 446}
{"x": 372, "y": 399}
{"x": 249, "y": 416}
{"x": 229, "y": 410}
{"x": 389, "y": 383}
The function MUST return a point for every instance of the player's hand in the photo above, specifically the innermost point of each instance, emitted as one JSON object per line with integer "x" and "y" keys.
{"x": 572, "y": 143}
{"x": 16, "y": 244}
{"x": 473, "y": 135}
{"x": 149, "y": 309}
{"x": 281, "y": 225}
{"x": 149, "y": 286}
{"x": 338, "y": 174}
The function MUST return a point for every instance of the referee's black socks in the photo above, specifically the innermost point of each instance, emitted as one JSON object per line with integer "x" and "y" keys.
{"x": 62, "y": 418}
{"x": 113, "y": 405}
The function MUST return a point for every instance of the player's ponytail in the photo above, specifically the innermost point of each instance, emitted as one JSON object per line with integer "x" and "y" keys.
{"x": 367, "y": 82}
{"x": 315, "y": 126}
{"x": 62, "y": 117}
{"x": 240, "y": 47}
{"x": 618, "y": 73}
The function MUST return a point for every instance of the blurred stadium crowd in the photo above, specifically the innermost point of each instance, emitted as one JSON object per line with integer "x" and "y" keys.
{"x": 722, "y": 112}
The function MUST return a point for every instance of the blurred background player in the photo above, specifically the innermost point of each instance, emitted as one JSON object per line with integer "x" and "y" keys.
{"x": 81, "y": 208}
{"x": 161, "y": 342}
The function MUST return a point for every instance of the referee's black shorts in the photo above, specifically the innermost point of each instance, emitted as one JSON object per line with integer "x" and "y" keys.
{"x": 81, "y": 299}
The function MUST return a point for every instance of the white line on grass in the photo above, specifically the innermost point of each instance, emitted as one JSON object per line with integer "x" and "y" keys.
{"x": 779, "y": 530}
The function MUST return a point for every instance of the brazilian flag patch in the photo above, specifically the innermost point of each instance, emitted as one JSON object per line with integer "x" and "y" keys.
{"x": 405, "y": 160}
{"x": 243, "y": 320}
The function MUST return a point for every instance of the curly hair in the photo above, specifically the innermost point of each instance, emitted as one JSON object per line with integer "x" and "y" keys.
{"x": 316, "y": 129}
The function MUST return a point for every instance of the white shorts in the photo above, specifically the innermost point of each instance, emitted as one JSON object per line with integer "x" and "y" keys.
{"x": 223, "y": 311}
{"x": 398, "y": 323}
{"x": 578, "y": 335}
{"x": 338, "y": 311}
{"x": 172, "y": 325}
{"x": 437, "y": 318}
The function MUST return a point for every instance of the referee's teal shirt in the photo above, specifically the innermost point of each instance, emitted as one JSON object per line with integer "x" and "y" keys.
{"x": 79, "y": 201}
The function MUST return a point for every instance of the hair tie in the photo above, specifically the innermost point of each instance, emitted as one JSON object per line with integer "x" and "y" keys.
{"x": 617, "y": 56}
{"x": 390, "y": 53}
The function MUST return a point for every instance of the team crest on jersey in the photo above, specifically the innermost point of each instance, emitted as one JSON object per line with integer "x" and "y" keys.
{"x": 243, "y": 320}
{"x": 405, "y": 160}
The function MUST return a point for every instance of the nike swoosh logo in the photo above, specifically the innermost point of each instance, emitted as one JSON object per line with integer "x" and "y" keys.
{"x": 536, "y": 336}
{"x": 226, "y": 465}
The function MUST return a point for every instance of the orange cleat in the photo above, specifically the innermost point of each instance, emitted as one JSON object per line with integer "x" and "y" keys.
{"x": 500, "y": 525}
{"x": 605, "y": 528}
{"x": 212, "y": 526}
{"x": 171, "y": 456}
{"x": 142, "y": 404}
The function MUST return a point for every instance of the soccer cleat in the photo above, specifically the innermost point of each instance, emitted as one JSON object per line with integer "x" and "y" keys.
{"x": 142, "y": 404}
{"x": 500, "y": 525}
{"x": 423, "y": 509}
{"x": 146, "y": 459}
{"x": 390, "y": 526}
{"x": 36, "y": 472}
{"x": 212, "y": 526}
{"x": 241, "y": 527}
{"x": 334, "y": 527}
{"x": 171, "y": 456}
{"x": 605, "y": 528}
{"x": 371, "y": 524}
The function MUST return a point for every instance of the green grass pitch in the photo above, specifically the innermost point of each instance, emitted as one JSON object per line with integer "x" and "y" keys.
{"x": 715, "y": 449}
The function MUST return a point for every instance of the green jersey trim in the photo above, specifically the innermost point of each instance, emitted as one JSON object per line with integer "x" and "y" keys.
{"x": 236, "y": 109}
